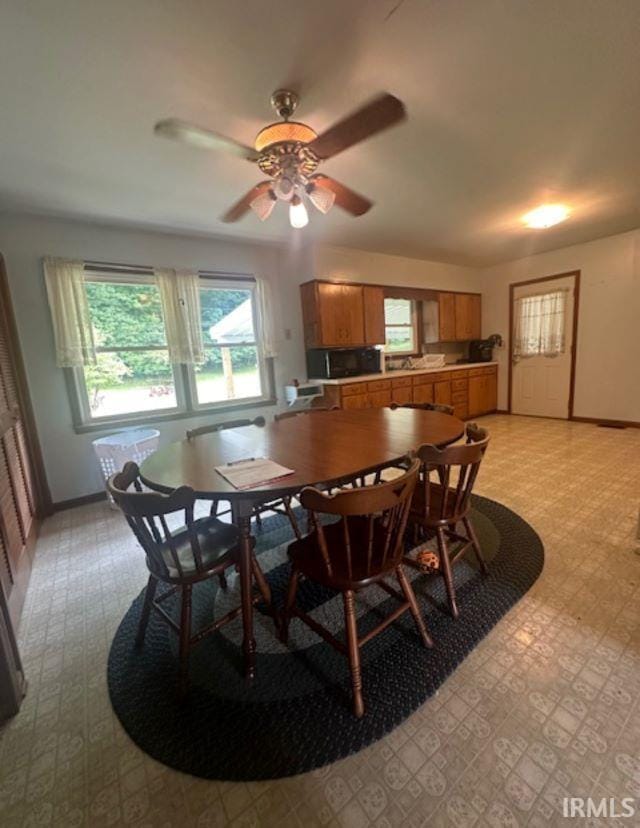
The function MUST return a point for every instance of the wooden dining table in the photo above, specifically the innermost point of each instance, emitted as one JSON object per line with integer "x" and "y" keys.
{"x": 324, "y": 448}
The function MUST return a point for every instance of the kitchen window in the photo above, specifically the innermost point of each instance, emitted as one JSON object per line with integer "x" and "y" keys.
{"x": 400, "y": 327}
{"x": 132, "y": 378}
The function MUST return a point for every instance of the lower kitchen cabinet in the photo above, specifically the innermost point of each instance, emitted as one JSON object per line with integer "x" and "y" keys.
{"x": 471, "y": 392}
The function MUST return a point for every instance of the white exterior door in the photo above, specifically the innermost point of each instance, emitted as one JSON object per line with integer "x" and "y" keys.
{"x": 541, "y": 384}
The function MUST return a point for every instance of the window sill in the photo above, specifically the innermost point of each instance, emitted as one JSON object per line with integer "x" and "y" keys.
{"x": 141, "y": 420}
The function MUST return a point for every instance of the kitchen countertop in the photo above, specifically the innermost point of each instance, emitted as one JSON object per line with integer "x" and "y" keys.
{"x": 402, "y": 373}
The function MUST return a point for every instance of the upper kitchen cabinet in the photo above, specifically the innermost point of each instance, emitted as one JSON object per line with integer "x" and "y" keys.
{"x": 338, "y": 315}
{"x": 447, "y": 318}
{"x": 467, "y": 314}
{"x": 459, "y": 316}
{"x": 374, "y": 332}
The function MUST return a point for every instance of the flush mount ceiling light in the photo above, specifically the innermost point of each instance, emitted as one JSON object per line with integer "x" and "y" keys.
{"x": 290, "y": 152}
{"x": 546, "y": 216}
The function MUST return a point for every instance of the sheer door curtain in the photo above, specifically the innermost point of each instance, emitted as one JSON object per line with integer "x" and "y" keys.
{"x": 540, "y": 321}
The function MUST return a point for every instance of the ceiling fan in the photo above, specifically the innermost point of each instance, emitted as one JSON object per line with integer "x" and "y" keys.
{"x": 290, "y": 152}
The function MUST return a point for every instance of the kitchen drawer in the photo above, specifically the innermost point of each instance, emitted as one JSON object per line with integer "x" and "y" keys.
{"x": 459, "y": 396}
{"x": 441, "y": 376}
{"x": 492, "y": 369}
{"x": 379, "y": 385}
{"x": 459, "y": 384}
{"x": 401, "y": 382}
{"x": 422, "y": 379}
{"x": 353, "y": 388}
{"x": 476, "y": 372}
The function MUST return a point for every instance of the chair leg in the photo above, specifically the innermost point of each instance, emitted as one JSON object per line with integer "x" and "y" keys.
{"x": 292, "y": 518}
{"x": 410, "y": 595}
{"x": 258, "y": 519}
{"x": 445, "y": 566}
{"x": 261, "y": 581}
{"x": 471, "y": 534}
{"x": 292, "y": 591}
{"x": 214, "y": 508}
{"x": 223, "y": 581}
{"x": 185, "y": 637}
{"x": 152, "y": 584}
{"x": 354, "y": 652}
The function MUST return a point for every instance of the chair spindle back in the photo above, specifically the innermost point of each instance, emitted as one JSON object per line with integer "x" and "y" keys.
{"x": 372, "y": 516}
{"x": 146, "y": 513}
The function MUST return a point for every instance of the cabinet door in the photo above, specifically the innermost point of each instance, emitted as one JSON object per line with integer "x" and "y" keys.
{"x": 352, "y": 314}
{"x": 447, "y": 316}
{"x": 379, "y": 399}
{"x": 463, "y": 316}
{"x": 373, "y": 303}
{"x": 331, "y": 314}
{"x": 476, "y": 396}
{"x": 442, "y": 392}
{"x": 356, "y": 401}
{"x": 491, "y": 391}
{"x": 310, "y": 315}
{"x": 476, "y": 316}
{"x": 403, "y": 395}
{"x": 423, "y": 393}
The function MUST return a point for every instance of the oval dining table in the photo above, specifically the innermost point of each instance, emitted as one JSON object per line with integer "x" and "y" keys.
{"x": 324, "y": 448}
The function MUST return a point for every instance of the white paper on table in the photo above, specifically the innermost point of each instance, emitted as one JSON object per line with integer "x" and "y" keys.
{"x": 252, "y": 472}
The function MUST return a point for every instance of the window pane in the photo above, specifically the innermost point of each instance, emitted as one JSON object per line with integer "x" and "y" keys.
{"x": 399, "y": 339}
{"x": 227, "y": 315}
{"x": 124, "y": 382}
{"x": 228, "y": 374}
{"x": 125, "y": 314}
{"x": 397, "y": 312}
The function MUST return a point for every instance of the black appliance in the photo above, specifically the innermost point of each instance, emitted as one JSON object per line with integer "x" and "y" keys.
{"x": 336, "y": 363}
{"x": 481, "y": 350}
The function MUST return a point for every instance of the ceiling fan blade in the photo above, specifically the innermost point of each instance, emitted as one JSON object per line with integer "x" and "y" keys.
{"x": 244, "y": 205}
{"x": 383, "y": 112}
{"x": 197, "y": 136}
{"x": 348, "y": 199}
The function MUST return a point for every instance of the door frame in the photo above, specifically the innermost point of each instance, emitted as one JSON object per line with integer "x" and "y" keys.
{"x": 574, "y": 340}
{"x": 42, "y": 494}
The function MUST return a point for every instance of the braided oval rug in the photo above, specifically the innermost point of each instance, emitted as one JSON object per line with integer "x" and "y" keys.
{"x": 296, "y": 715}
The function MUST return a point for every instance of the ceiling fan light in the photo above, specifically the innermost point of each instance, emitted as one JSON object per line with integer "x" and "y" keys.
{"x": 321, "y": 198}
{"x": 289, "y": 131}
{"x": 298, "y": 215}
{"x": 263, "y": 204}
{"x": 284, "y": 188}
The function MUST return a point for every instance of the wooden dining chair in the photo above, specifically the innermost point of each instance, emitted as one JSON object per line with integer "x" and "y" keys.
{"x": 364, "y": 547}
{"x": 440, "y": 505}
{"x": 198, "y": 550}
{"x": 443, "y": 408}
{"x": 286, "y": 415}
{"x": 212, "y": 427}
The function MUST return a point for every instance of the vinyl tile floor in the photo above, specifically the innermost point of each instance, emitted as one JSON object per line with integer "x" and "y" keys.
{"x": 546, "y": 707}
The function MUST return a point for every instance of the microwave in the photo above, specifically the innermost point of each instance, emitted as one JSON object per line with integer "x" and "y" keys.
{"x": 336, "y": 363}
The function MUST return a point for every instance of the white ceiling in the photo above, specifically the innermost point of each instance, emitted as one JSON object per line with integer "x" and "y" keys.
{"x": 511, "y": 103}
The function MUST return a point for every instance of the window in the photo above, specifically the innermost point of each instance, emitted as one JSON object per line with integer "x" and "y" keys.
{"x": 540, "y": 324}
{"x": 232, "y": 368}
{"x": 133, "y": 376}
{"x": 400, "y": 327}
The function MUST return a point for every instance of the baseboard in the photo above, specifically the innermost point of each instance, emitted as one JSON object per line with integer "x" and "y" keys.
{"x": 612, "y": 423}
{"x": 501, "y": 411}
{"x": 96, "y": 497}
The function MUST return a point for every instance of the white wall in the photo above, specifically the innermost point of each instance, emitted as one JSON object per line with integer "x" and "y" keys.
{"x": 608, "y": 344}
{"x": 341, "y": 263}
{"x": 70, "y": 464}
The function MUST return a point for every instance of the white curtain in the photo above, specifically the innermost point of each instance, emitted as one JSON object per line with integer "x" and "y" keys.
{"x": 180, "y": 298}
{"x": 266, "y": 311}
{"x": 67, "y": 293}
{"x": 540, "y": 324}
